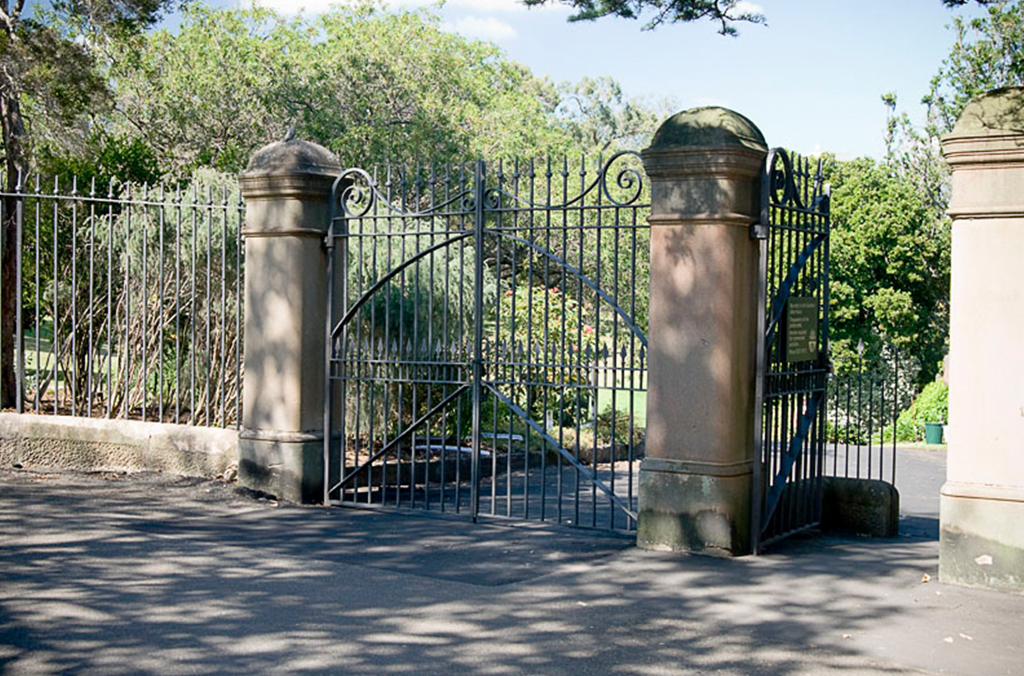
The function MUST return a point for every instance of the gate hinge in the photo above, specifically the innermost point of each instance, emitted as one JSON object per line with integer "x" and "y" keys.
{"x": 758, "y": 231}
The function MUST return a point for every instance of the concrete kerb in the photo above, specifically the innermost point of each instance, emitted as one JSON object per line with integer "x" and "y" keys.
{"x": 92, "y": 444}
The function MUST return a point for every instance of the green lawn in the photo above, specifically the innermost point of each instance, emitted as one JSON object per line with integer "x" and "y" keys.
{"x": 622, "y": 403}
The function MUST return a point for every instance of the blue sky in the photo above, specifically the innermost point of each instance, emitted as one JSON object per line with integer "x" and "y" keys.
{"x": 812, "y": 79}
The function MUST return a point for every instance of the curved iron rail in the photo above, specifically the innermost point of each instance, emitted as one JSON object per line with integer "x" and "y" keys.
{"x": 359, "y": 193}
{"x": 391, "y": 275}
{"x": 629, "y": 179}
{"x": 782, "y": 187}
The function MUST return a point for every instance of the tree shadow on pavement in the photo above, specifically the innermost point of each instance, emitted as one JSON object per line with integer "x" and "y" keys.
{"x": 162, "y": 576}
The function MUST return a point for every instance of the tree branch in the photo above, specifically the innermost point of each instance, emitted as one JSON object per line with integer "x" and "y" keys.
{"x": 9, "y": 20}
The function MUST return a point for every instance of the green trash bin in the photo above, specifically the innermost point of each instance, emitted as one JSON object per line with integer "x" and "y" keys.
{"x": 933, "y": 433}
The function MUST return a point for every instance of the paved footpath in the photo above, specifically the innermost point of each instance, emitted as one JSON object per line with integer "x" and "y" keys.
{"x": 152, "y": 574}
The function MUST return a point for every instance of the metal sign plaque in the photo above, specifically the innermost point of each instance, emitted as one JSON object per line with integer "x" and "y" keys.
{"x": 801, "y": 329}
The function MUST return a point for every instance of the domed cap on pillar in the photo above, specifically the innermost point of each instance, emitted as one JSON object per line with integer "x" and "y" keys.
{"x": 989, "y": 131}
{"x": 290, "y": 168}
{"x": 994, "y": 113}
{"x": 709, "y": 141}
{"x": 710, "y": 126}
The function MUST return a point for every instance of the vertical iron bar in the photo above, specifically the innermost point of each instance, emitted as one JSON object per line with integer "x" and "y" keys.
{"x": 177, "y": 304}
{"x": 38, "y": 294}
{"x": 208, "y": 360}
{"x": 127, "y": 347}
{"x": 239, "y": 307}
{"x": 92, "y": 301}
{"x": 19, "y": 347}
{"x": 328, "y": 350}
{"x": 860, "y": 406}
{"x": 194, "y": 306}
{"x": 223, "y": 377}
{"x": 895, "y": 409}
{"x": 74, "y": 296}
{"x": 145, "y": 305}
{"x": 759, "y": 373}
{"x": 478, "y": 328}
{"x": 110, "y": 304}
{"x": 161, "y": 324}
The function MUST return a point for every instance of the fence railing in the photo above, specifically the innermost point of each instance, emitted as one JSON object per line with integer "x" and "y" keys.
{"x": 863, "y": 407}
{"x": 127, "y": 299}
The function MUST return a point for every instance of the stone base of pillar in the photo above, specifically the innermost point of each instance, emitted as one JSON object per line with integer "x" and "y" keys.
{"x": 287, "y": 465}
{"x": 981, "y": 542}
{"x": 694, "y": 507}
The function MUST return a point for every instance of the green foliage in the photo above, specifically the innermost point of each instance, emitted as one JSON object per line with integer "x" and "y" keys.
{"x": 103, "y": 163}
{"x": 988, "y": 53}
{"x": 544, "y": 325}
{"x": 889, "y": 267}
{"x": 930, "y": 406}
{"x": 599, "y": 116}
{"x": 368, "y": 84}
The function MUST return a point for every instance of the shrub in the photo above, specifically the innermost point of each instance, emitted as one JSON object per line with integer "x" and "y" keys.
{"x": 932, "y": 405}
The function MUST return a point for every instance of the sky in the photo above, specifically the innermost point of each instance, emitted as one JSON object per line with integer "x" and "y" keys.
{"x": 812, "y": 78}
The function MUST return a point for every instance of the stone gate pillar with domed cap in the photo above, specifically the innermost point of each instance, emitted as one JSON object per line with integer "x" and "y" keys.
{"x": 981, "y": 538}
{"x": 286, "y": 188}
{"x": 695, "y": 481}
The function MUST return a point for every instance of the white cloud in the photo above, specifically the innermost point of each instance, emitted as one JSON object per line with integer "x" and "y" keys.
{"x": 486, "y": 28}
{"x": 744, "y": 7}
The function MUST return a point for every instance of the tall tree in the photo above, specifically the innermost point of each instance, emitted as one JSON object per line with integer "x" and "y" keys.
{"x": 988, "y": 52}
{"x": 46, "y": 62}
{"x": 370, "y": 85}
{"x": 890, "y": 266}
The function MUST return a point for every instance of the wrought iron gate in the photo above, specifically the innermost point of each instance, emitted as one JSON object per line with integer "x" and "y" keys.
{"x": 487, "y": 355}
{"x": 793, "y": 367}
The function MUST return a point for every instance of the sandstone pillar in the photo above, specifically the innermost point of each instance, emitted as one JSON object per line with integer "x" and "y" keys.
{"x": 982, "y": 501}
{"x": 287, "y": 188}
{"x": 695, "y": 481}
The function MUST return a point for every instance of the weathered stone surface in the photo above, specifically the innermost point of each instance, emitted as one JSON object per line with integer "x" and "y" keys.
{"x": 860, "y": 507}
{"x": 91, "y": 444}
{"x": 684, "y": 507}
{"x": 704, "y": 165}
{"x": 287, "y": 189}
{"x": 981, "y": 536}
{"x": 993, "y": 113}
{"x": 711, "y": 126}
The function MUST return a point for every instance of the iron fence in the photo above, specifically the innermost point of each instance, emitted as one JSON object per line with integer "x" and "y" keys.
{"x": 127, "y": 299}
{"x": 864, "y": 404}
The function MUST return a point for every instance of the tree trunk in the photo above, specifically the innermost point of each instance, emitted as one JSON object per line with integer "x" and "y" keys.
{"x": 16, "y": 166}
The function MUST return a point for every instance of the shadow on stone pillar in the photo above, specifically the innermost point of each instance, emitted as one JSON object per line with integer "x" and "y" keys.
{"x": 695, "y": 482}
{"x": 286, "y": 188}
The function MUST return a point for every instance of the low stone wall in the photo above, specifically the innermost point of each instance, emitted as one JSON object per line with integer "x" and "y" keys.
{"x": 860, "y": 507}
{"x": 91, "y": 444}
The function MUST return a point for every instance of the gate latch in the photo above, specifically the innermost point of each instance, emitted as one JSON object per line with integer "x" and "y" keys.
{"x": 758, "y": 231}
